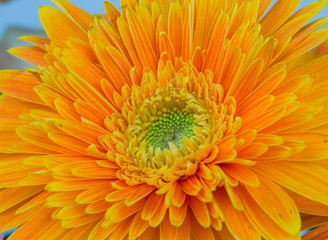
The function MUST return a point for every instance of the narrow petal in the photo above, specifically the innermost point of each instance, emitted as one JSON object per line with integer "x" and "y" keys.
{"x": 277, "y": 15}
{"x": 30, "y": 54}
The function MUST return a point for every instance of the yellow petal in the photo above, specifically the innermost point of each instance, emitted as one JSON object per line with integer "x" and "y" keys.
{"x": 62, "y": 29}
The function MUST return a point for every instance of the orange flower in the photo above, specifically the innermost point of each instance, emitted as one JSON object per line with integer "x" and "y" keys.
{"x": 167, "y": 120}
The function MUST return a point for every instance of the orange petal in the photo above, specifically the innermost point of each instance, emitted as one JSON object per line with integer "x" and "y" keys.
{"x": 178, "y": 214}
{"x": 121, "y": 194}
{"x": 89, "y": 112}
{"x": 34, "y": 180}
{"x": 217, "y": 39}
{"x": 153, "y": 202}
{"x": 142, "y": 192}
{"x": 242, "y": 86}
{"x": 167, "y": 230}
{"x": 236, "y": 221}
{"x": 98, "y": 207}
{"x": 200, "y": 211}
{"x": 270, "y": 140}
{"x": 277, "y": 15}
{"x": 317, "y": 233}
{"x": 119, "y": 211}
{"x": 95, "y": 172}
{"x": 87, "y": 134}
{"x": 316, "y": 145}
{"x": 247, "y": 136}
{"x": 14, "y": 196}
{"x": 262, "y": 221}
{"x": 312, "y": 221}
{"x": 72, "y": 210}
{"x": 61, "y": 199}
{"x": 141, "y": 41}
{"x": 112, "y": 12}
{"x": 127, "y": 38}
{"x": 31, "y": 54}
{"x": 7, "y": 139}
{"x": 198, "y": 231}
{"x": 309, "y": 42}
{"x": 122, "y": 229}
{"x": 159, "y": 213}
{"x": 100, "y": 232}
{"x": 291, "y": 176}
{"x": 81, "y": 68}
{"x": 66, "y": 109}
{"x": 77, "y": 15}
{"x": 308, "y": 206}
{"x": 252, "y": 151}
{"x": 277, "y": 204}
{"x": 265, "y": 119}
{"x": 60, "y": 29}
{"x": 117, "y": 76}
{"x": 30, "y": 228}
{"x": 38, "y": 138}
{"x": 138, "y": 226}
{"x": 72, "y": 185}
{"x": 20, "y": 85}
{"x": 81, "y": 221}
{"x": 39, "y": 199}
{"x": 178, "y": 195}
{"x": 83, "y": 49}
{"x": 191, "y": 185}
{"x": 183, "y": 231}
{"x": 241, "y": 173}
{"x": 69, "y": 142}
{"x": 39, "y": 41}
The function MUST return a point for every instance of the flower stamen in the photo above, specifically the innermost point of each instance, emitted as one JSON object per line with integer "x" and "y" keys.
{"x": 172, "y": 126}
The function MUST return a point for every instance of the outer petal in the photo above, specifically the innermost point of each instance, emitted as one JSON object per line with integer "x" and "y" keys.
{"x": 307, "y": 179}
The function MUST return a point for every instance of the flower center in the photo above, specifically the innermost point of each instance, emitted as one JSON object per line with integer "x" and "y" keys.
{"x": 167, "y": 128}
{"x": 170, "y": 126}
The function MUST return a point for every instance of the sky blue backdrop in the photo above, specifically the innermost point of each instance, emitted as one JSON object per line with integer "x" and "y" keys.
{"x": 24, "y": 13}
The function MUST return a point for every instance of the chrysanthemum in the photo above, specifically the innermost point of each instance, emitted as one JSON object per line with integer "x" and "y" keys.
{"x": 194, "y": 119}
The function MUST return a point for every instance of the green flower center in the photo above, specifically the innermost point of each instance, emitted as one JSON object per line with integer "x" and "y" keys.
{"x": 171, "y": 126}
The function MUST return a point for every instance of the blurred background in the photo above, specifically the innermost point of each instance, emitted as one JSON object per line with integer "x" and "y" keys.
{"x": 20, "y": 17}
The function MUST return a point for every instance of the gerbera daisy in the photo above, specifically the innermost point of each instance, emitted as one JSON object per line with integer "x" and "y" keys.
{"x": 191, "y": 119}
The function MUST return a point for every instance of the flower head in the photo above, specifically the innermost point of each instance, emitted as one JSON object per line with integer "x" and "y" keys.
{"x": 167, "y": 120}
